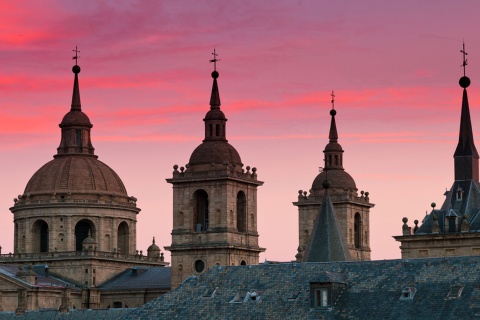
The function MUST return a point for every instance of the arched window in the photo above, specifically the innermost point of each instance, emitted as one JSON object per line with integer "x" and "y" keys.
{"x": 357, "y": 229}
{"x": 40, "y": 236}
{"x": 123, "y": 238}
{"x": 241, "y": 212}
{"x": 81, "y": 232}
{"x": 200, "y": 210}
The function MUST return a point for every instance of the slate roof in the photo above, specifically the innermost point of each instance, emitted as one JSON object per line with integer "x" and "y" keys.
{"x": 140, "y": 278}
{"x": 372, "y": 290}
{"x": 41, "y": 281}
{"x": 326, "y": 242}
{"x": 89, "y": 314}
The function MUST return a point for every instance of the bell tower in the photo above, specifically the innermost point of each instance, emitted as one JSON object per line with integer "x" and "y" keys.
{"x": 214, "y": 203}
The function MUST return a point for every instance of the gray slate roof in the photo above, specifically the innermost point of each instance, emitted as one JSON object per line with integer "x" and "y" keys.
{"x": 41, "y": 281}
{"x": 99, "y": 314}
{"x": 372, "y": 290}
{"x": 326, "y": 242}
{"x": 140, "y": 278}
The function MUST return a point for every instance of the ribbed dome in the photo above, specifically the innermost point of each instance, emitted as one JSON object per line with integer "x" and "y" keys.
{"x": 215, "y": 114}
{"x": 333, "y": 146}
{"x": 75, "y": 173}
{"x": 215, "y": 152}
{"x": 75, "y": 117}
{"x": 339, "y": 179}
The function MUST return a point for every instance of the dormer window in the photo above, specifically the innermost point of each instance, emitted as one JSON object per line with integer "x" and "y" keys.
{"x": 459, "y": 194}
{"x": 455, "y": 292}
{"x": 320, "y": 295}
{"x": 408, "y": 293}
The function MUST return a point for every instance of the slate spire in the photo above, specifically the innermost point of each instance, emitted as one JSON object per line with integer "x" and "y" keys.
{"x": 215, "y": 121}
{"x": 333, "y": 150}
{"x": 76, "y": 105}
{"x": 75, "y": 124}
{"x": 326, "y": 240}
{"x": 466, "y": 155}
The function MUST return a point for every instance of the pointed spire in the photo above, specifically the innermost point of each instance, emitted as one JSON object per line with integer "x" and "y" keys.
{"x": 466, "y": 155}
{"x": 333, "y": 135}
{"x": 326, "y": 241}
{"x": 215, "y": 121}
{"x": 333, "y": 150}
{"x": 75, "y": 124}
{"x": 215, "y": 97}
{"x": 76, "y": 105}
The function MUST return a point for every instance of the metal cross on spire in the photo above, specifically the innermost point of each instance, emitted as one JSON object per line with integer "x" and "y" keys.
{"x": 214, "y": 60}
{"x": 76, "y": 55}
{"x": 333, "y": 100}
{"x": 465, "y": 61}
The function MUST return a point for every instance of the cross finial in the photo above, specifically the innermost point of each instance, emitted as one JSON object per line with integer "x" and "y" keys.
{"x": 333, "y": 100}
{"x": 465, "y": 61}
{"x": 76, "y": 55}
{"x": 214, "y": 60}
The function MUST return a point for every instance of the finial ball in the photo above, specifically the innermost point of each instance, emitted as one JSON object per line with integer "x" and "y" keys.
{"x": 214, "y": 74}
{"x": 76, "y": 69}
{"x": 333, "y": 112}
{"x": 405, "y": 220}
{"x": 464, "y": 82}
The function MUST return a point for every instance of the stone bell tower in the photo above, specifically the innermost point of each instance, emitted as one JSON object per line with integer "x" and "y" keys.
{"x": 352, "y": 210}
{"x": 214, "y": 203}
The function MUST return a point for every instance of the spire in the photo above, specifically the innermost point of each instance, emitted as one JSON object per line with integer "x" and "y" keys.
{"x": 326, "y": 241}
{"x": 466, "y": 155}
{"x": 333, "y": 150}
{"x": 333, "y": 135}
{"x": 76, "y": 105}
{"x": 215, "y": 97}
{"x": 75, "y": 124}
{"x": 215, "y": 121}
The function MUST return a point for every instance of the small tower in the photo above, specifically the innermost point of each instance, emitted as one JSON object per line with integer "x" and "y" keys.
{"x": 453, "y": 230}
{"x": 214, "y": 203}
{"x": 352, "y": 211}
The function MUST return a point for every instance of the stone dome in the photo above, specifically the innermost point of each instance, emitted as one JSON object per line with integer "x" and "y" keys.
{"x": 217, "y": 152}
{"x": 339, "y": 179}
{"x": 76, "y": 173}
{"x": 76, "y": 117}
{"x": 215, "y": 114}
{"x": 333, "y": 146}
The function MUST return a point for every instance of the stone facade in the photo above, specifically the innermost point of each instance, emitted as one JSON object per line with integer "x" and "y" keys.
{"x": 352, "y": 211}
{"x": 76, "y": 219}
{"x": 452, "y": 230}
{"x": 214, "y": 204}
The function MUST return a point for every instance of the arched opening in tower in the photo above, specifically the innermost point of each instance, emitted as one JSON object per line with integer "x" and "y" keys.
{"x": 200, "y": 210}
{"x": 123, "y": 238}
{"x": 357, "y": 229}
{"x": 40, "y": 236}
{"x": 241, "y": 212}
{"x": 82, "y": 228}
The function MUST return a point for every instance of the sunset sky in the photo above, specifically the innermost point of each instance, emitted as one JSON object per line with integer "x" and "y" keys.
{"x": 145, "y": 84}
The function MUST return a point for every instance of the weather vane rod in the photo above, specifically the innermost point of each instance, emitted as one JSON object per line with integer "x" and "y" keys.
{"x": 76, "y": 55}
{"x": 333, "y": 100}
{"x": 214, "y": 60}
{"x": 465, "y": 61}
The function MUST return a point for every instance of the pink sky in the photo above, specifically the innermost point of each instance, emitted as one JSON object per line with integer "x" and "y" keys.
{"x": 145, "y": 84}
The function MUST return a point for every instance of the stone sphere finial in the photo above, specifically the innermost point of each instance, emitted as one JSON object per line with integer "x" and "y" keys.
{"x": 405, "y": 220}
{"x": 464, "y": 82}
